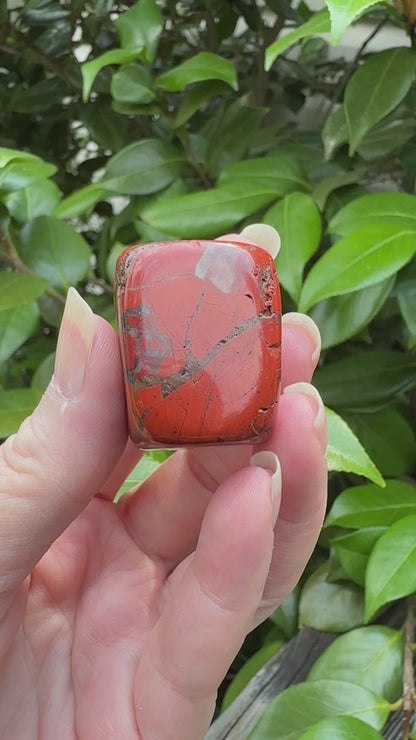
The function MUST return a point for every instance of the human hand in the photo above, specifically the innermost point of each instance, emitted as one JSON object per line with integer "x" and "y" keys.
{"x": 121, "y": 620}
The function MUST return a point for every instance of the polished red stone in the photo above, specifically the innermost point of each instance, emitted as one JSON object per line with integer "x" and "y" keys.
{"x": 199, "y": 325}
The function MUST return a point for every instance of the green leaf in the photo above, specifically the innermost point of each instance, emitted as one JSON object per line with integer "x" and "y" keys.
{"x": 16, "y": 326}
{"x": 319, "y": 23}
{"x": 37, "y": 97}
{"x": 15, "y": 406}
{"x": 231, "y": 134}
{"x": 298, "y": 222}
{"x": 371, "y": 506}
{"x": 143, "y": 167}
{"x": 249, "y": 670}
{"x": 325, "y": 187}
{"x": 132, "y": 83}
{"x": 388, "y": 438}
{"x": 300, "y": 707}
{"x": 195, "y": 97}
{"x": 38, "y": 199}
{"x": 344, "y": 13}
{"x": 386, "y": 138}
{"x": 202, "y": 66}
{"x": 79, "y": 202}
{"x": 366, "y": 380}
{"x": 20, "y": 173}
{"x": 140, "y": 27}
{"x": 406, "y": 297}
{"x": 283, "y": 173}
{"x": 44, "y": 372}
{"x": 371, "y": 657}
{"x": 334, "y": 132}
{"x": 341, "y": 728}
{"x": 345, "y": 452}
{"x": 397, "y": 209}
{"x": 391, "y": 569}
{"x": 8, "y": 155}
{"x": 285, "y": 617}
{"x": 18, "y": 289}
{"x": 114, "y": 56}
{"x": 344, "y": 603}
{"x": 357, "y": 261}
{"x": 145, "y": 467}
{"x": 375, "y": 89}
{"x": 54, "y": 251}
{"x": 341, "y": 317}
{"x": 209, "y": 213}
{"x": 353, "y": 551}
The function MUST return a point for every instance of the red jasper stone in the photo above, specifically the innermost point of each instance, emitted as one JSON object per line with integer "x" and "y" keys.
{"x": 200, "y": 329}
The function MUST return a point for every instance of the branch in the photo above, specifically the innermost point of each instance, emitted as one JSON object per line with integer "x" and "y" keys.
{"x": 409, "y": 694}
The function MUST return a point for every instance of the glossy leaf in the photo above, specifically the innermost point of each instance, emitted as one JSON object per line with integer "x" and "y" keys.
{"x": 318, "y": 23}
{"x": 391, "y": 569}
{"x": 20, "y": 173}
{"x": 300, "y": 707}
{"x": 16, "y": 326}
{"x": 375, "y": 89}
{"x": 368, "y": 656}
{"x": 283, "y": 173}
{"x": 37, "y": 97}
{"x": 388, "y": 438}
{"x": 8, "y": 155}
{"x": 230, "y": 138}
{"x": 15, "y": 406}
{"x": 195, "y": 97}
{"x": 379, "y": 208}
{"x": 371, "y": 506}
{"x": 91, "y": 69}
{"x": 145, "y": 467}
{"x": 285, "y": 617}
{"x": 202, "y": 66}
{"x": 298, "y": 222}
{"x": 357, "y": 261}
{"x": 346, "y": 453}
{"x": 341, "y": 317}
{"x": 214, "y": 211}
{"x": 143, "y": 167}
{"x": 38, "y": 199}
{"x": 141, "y": 26}
{"x": 386, "y": 138}
{"x": 132, "y": 83}
{"x": 366, "y": 380}
{"x": 344, "y": 13}
{"x": 341, "y": 728}
{"x": 344, "y": 603}
{"x": 406, "y": 297}
{"x": 325, "y": 187}
{"x": 353, "y": 551}
{"x": 334, "y": 132}
{"x": 249, "y": 670}
{"x": 44, "y": 372}
{"x": 54, "y": 251}
{"x": 80, "y": 201}
{"x": 18, "y": 289}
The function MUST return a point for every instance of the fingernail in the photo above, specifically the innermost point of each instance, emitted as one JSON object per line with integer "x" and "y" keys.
{"x": 301, "y": 319}
{"x": 309, "y": 390}
{"x": 265, "y": 236}
{"x": 74, "y": 345}
{"x": 270, "y": 462}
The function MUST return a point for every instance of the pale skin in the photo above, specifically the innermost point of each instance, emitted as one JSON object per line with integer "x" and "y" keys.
{"x": 121, "y": 620}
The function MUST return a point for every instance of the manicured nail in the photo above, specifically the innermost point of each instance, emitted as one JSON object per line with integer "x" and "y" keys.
{"x": 310, "y": 390}
{"x": 74, "y": 345}
{"x": 270, "y": 462}
{"x": 304, "y": 321}
{"x": 265, "y": 236}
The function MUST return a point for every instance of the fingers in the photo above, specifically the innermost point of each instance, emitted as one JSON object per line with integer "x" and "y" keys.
{"x": 67, "y": 448}
{"x": 299, "y": 438}
{"x": 209, "y": 606}
{"x": 165, "y": 515}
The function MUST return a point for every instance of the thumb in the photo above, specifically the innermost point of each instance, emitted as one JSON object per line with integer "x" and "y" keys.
{"x": 67, "y": 448}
